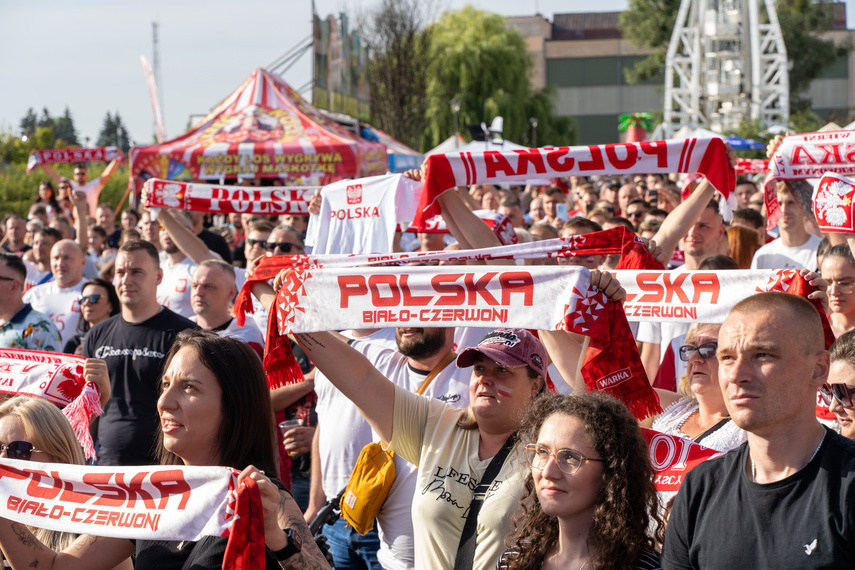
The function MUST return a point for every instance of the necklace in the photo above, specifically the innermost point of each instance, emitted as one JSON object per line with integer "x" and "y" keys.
{"x": 815, "y": 451}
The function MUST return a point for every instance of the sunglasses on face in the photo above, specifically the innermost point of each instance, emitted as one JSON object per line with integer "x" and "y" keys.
{"x": 253, "y": 242}
{"x": 634, "y": 214}
{"x": 91, "y": 299}
{"x": 19, "y": 450}
{"x": 840, "y": 392}
{"x": 705, "y": 351}
{"x": 568, "y": 460}
{"x": 286, "y": 247}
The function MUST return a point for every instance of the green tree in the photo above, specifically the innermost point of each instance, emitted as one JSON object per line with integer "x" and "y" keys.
{"x": 114, "y": 133}
{"x": 29, "y": 123}
{"x": 64, "y": 130}
{"x": 485, "y": 65}
{"x": 649, "y": 24}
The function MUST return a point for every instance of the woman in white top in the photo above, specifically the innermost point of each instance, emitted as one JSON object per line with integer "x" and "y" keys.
{"x": 699, "y": 413}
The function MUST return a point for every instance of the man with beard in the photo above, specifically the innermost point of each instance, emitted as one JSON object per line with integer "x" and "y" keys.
{"x": 346, "y": 432}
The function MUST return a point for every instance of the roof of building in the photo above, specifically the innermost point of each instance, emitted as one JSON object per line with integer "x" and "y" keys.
{"x": 585, "y": 26}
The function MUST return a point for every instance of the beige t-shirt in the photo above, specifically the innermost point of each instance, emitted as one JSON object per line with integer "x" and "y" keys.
{"x": 425, "y": 433}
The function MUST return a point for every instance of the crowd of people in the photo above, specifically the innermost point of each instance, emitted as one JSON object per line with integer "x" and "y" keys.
{"x": 492, "y": 468}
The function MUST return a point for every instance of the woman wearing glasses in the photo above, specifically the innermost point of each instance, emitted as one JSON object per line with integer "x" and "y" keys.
{"x": 839, "y": 392}
{"x": 589, "y": 501}
{"x": 700, "y": 413}
{"x": 98, "y": 302}
{"x": 838, "y": 268}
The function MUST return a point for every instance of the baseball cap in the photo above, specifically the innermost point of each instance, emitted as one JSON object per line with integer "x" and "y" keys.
{"x": 511, "y": 348}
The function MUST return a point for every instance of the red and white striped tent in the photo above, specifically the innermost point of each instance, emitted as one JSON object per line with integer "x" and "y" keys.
{"x": 264, "y": 129}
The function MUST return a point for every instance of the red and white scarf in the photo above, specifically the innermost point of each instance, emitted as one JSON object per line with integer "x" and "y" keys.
{"x": 142, "y": 503}
{"x": 806, "y": 156}
{"x": 268, "y": 201}
{"x": 672, "y": 458}
{"x": 73, "y": 155}
{"x": 58, "y": 378}
{"x": 533, "y": 297}
{"x": 446, "y": 171}
{"x": 832, "y": 204}
{"x": 499, "y": 223}
{"x": 751, "y": 166}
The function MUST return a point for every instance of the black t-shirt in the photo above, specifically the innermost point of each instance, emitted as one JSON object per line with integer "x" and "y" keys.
{"x": 721, "y": 519}
{"x": 135, "y": 354}
{"x": 217, "y": 243}
{"x": 114, "y": 238}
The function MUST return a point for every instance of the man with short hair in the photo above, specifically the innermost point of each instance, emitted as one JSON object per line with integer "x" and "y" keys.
{"x": 20, "y": 325}
{"x": 783, "y": 499}
{"x": 174, "y": 289}
{"x": 284, "y": 240}
{"x": 39, "y": 271}
{"x": 92, "y": 189}
{"x": 510, "y": 207}
{"x": 213, "y": 289}
{"x": 134, "y": 343}
{"x": 635, "y": 211}
{"x": 796, "y": 248}
{"x": 63, "y": 225}
{"x": 552, "y": 198}
{"x": 536, "y": 211}
{"x": 214, "y": 242}
{"x": 150, "y": 230}
{"x": 745, "y": 188}
{"x": 625, "y": 195}
{"x": 16, "y": 231}
{"x": 58, "y": 299}
{"x": 751, "y": 219}
{"x": 106, "y": 218}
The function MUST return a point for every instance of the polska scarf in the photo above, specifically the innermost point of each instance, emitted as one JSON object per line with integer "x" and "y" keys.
{"x": 832, "y": 204}
{"x": 269, "y": 201}
{"x": 446, "y": 171}
{"x": 142, "y": 503}
{"x": 672, "y": 458}
{"x": 57, "y": 378}
{"x": 73, "y": 155}
{"x": 805, "y": 156}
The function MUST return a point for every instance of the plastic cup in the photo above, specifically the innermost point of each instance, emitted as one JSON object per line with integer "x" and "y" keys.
{"x": 286, "y": 426}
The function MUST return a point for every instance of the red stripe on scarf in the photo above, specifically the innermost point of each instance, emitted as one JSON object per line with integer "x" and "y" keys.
{"x": 245, "y": 548}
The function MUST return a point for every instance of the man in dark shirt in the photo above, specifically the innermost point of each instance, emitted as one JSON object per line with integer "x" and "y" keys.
{"x": 134, "y": 344}
{"x": 784, "y": 498}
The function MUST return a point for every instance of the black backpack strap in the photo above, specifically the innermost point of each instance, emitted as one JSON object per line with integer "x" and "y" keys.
{"x": 466, "y": 548}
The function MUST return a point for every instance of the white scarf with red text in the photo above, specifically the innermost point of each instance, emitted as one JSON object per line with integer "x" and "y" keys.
{"x": 446, "y": 171}
{"x": 499, "y": 223}
{"x": 195, "y": 196}
{"x": 143, "y": 503}
{"x": 73, "y": 155}
{"x": 805, "y": 156}
{"x": 672, "y": 458}
{"x": 58, "y": 378}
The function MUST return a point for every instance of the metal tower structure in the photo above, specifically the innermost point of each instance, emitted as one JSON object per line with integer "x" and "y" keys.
{"x": 726, "y": 62}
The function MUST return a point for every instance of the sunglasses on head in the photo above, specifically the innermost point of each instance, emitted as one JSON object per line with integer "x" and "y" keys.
{"x": 840, "y": 392}
{"x": 19, "y": 450}
{"x": 705, "y": 351}
{"x": 285, "y": 246}
{"x": 91, "y": 299}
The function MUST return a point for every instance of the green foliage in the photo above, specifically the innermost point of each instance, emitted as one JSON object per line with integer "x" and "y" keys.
{"x": 485, "y": 65}
{"x": 806, "y": 121}
{"x": 63, "y": 133}
{"x": 15, "y": 150}
{"x": 114, "y": 133}
{"x": 649, "y": 24}
{"x": 18, "y": 189}
{"x": 753, "y": 130}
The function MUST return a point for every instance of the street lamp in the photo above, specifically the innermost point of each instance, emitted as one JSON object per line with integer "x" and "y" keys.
{"x": 455, "y": 108}
{"x": 533, "y": 122}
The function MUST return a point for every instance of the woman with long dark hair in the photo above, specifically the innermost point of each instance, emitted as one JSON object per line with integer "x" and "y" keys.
{"x": 214, "y": 409}
{"x": 589, "y": 501}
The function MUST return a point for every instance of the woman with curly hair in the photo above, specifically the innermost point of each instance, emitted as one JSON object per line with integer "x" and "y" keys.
{"x": 589, "y": 501}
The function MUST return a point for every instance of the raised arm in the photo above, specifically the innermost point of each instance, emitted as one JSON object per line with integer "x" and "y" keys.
{"x": 81, "y": 219}
{"x": 679, "y": 222}
{"x": 183, "y": 237}
{"x": 53, "y": 174}
{"x": 355, "y": 377}
{"x": 109, "y": 171}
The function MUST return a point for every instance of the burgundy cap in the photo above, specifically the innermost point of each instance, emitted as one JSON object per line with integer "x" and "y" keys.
{"x": 509, "y": 347}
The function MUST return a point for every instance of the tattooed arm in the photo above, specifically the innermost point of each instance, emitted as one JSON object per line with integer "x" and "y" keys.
{"x": 281, "y": 512}
{"x": 23, "y": 550}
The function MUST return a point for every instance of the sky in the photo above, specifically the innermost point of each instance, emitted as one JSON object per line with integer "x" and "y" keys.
{"x": 86, "y": 54}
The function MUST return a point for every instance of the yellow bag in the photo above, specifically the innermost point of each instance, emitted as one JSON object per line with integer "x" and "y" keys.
{"x": 374, "y": 473}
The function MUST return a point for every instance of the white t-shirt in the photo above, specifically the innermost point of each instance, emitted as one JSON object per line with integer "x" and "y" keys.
{"x": 35, "y": 276}
{"x": 360, "y": 216}
{"x": 774, "y": 255}
{"x": 58, "y": 304}
{"x": 176, "y": 287}
{"x": 93, "y": 192}
{"x": 425, "y": 433}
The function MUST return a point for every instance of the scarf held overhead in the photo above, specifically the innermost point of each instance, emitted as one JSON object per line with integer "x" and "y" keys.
{"x": 446, "y": 171}
{"x": 143, "y": 503}
{"x": 73, "y": 155}
{"x": 194, "y": 196}
{"x": 57, "y": 378}
{"x": 807, "y": 156}
{"x": 832, "y": 204}
{"x": 533, "y": 297}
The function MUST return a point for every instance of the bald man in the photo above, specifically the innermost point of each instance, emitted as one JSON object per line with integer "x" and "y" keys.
{"x": 58, "y": 299}
{"x": 784, "y": 498}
